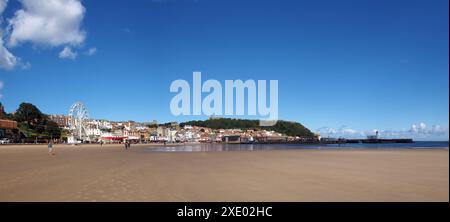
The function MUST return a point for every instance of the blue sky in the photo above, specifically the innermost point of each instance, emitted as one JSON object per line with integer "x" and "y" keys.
{"x": 355, "y": 65}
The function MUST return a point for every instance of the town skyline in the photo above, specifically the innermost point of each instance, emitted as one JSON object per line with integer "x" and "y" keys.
{"x": 418, "y": 132}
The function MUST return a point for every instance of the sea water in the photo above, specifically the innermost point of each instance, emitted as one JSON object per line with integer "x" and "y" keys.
{"x": 205, "y": 147}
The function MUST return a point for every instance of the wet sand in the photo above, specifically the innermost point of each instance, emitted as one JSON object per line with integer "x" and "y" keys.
{"x": 91, "y": 173}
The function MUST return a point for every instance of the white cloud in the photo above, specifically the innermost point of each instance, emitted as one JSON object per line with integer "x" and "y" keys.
{"x": 346, "y": 130}
{"x": 343, "y": 131}
{"x": 3, "y": 4}
{"x": 422, "y": 126}
{"x": 7, "y": 59}
{"x": 67, "y": 53}
{"x": 47, "y": 22}
{"x": 41, "y": 22}
{"x": 91, "y": 51}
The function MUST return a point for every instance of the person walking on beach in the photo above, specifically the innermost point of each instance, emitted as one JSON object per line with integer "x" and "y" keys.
{"x": 101, "y": 143}
{"x": 50, "y": 148}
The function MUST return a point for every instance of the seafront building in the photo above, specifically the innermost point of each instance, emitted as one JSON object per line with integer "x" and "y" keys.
{"x": 8, "y": 130}
{"x": 61, "y": 120}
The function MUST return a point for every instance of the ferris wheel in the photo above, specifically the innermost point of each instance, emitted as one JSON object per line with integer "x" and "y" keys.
{"x": 78, "y": 118}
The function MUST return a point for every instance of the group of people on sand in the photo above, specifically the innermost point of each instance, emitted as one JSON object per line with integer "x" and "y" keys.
{"x": 127, "y": 145}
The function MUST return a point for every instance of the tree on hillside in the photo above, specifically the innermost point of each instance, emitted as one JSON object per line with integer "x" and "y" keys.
{"x": 2, "y": 111}
{"x": 29, "y": 114}
{"x": 34, "y": 123}
{"x": 52, "y": 129}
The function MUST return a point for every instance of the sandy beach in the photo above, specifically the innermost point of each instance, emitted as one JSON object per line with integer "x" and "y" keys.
{"x": 91, "y": 173}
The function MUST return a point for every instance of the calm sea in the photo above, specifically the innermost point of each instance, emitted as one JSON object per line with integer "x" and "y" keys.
{"x": 255, "y": 147}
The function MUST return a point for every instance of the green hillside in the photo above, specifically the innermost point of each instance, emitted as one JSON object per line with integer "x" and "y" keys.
{"x": 285, "y": 127}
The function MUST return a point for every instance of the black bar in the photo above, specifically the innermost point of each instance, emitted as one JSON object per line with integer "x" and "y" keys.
{"x": 273, "y": 211}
